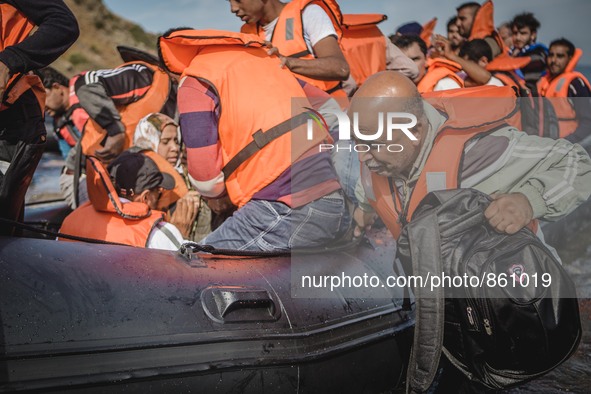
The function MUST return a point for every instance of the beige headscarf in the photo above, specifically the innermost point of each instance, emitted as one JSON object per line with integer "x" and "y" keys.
{"x": 149, "y": 129}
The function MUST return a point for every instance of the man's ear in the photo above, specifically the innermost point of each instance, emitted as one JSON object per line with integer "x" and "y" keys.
{"x": 534, "y": 36}
{"x": 483, "y": 61}
{"x": 142, "y": 197}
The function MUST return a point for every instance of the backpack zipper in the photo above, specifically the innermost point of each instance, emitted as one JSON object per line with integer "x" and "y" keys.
{"x": 487, "y": 327}
{"x": 484, "y": 305}
{"x": 475, "y": 301}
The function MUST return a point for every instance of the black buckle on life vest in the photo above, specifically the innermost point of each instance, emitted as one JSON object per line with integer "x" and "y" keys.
{"x": 261, "y": 139}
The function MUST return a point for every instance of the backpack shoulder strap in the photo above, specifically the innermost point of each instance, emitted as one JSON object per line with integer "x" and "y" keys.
{"x": 424, "y": 240}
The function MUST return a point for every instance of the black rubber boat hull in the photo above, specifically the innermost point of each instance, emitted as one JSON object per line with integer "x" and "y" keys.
{"x": 94, "y": 318}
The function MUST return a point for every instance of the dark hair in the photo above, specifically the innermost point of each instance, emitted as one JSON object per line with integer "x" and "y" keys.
{"x": 475, "y": 6}
{"x": 173, "y": 29}
{"x": 565, "y": 43}
{"x": 452, "y": 22}
{"x": 50, "y": 75}
{"x": 404, "y": 42}
{"x": 527, "y": 19}
{"x": 476, "y": 49}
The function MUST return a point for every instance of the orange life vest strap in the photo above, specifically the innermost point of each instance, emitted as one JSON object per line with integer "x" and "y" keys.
{"x": 103, "y": 196}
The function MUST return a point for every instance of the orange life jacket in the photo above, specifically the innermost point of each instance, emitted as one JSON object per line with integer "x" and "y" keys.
{"x": 364, "y": 45}
{"x": 168, "y": 197}
{"x": 105, "y": 217}
{"x": 510, "y": 78}
{"x": 14, "y": 28}
{"x": 153, "y": 101}
{"x": 484, "y": 26}
{"x": 237, "y": 67}
{"x": 437, "y": 69}
{"x": 503, "y": 67}
{"x": 556, "y": 89}
{"x": 505, "y": 62}
{"x": 75, "y": 116}
{"x": 67, "y": 135}
{"x": 428, "y": 29}
{"x": 288, "y": 36}
{"x": 441, "y": 170}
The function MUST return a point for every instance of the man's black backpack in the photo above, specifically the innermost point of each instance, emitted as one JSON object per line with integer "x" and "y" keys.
{"x": 518, "y": 323}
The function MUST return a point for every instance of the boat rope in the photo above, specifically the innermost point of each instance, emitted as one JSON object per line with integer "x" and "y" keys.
{"x": 23, "y": 226}
{"x": 189, "y": 248}
{"x": 195, "y": 247}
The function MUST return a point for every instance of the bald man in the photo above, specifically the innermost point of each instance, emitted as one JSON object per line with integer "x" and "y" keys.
{"x": 529, "y": 177}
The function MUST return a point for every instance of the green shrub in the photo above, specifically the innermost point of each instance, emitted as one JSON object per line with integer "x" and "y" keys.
{"x": 139, "y": 35}
{"x": 77, "y": 59}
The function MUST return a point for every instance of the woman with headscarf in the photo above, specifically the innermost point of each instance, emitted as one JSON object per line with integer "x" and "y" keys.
{"x": 160, "y": 133}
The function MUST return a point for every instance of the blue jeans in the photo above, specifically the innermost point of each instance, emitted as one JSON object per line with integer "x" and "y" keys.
{"x": 262, "y": 225}
{"x": 347, "y": 166}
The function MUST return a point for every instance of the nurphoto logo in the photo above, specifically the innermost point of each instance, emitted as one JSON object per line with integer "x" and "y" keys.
{"x": 388, "y": 124}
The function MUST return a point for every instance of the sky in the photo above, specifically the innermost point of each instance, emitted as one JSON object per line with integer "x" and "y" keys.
{"x": 559, "y": 18}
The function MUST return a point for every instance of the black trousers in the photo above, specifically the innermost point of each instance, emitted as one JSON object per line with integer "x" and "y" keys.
{"x": 22, "y": 141}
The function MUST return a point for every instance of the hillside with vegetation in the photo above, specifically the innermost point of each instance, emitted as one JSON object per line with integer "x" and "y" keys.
{"x": 100, "y": 33}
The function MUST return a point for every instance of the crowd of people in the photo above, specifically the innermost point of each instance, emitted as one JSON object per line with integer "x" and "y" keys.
{"x": 214, "y": 114}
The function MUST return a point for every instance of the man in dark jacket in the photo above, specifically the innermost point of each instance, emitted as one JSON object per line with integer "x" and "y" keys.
{"x": 22, "y": 131}
{"x": 525, "y": 30}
